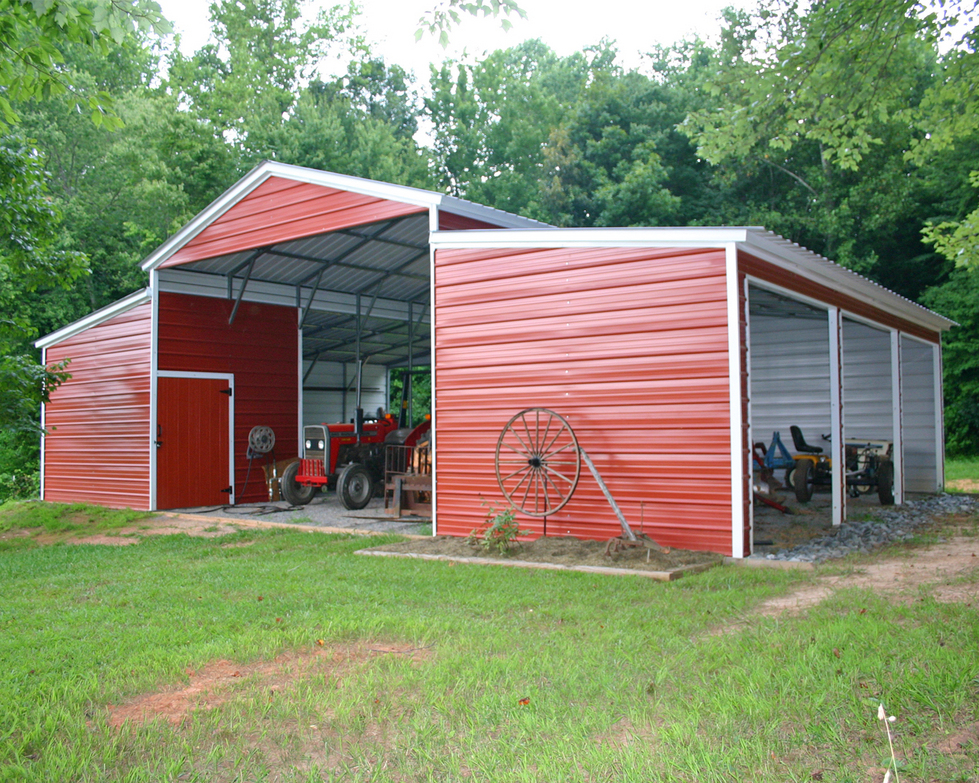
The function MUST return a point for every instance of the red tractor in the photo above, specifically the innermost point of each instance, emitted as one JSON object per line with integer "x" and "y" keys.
{"x": 349, "y": 457}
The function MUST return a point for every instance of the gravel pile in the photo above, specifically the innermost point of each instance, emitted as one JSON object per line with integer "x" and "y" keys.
{"x": 896, "y": 523}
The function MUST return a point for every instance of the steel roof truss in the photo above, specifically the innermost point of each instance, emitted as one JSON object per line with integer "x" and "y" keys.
{"x": 244, "y": 283}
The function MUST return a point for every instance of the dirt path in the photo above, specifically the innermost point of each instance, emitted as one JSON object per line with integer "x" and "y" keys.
{"x": 942, "y": 565}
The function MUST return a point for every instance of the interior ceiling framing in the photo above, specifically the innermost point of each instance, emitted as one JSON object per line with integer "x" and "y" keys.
{"x": 385, "y": 260}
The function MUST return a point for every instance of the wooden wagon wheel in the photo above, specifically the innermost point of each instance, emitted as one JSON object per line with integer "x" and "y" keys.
{"x": 538, "y": 462}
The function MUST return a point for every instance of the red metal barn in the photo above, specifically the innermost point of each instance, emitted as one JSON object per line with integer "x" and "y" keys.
{"x": 668, "y": 350}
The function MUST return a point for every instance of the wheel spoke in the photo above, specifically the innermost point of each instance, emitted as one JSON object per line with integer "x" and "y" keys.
{"x": 524, "y": 468}
{"x": 559, "y": 475}
{"x": 516, "y": 434}
{"x": 524, "y": 454}
{"x": 517, "y": 485}
{"x": 523, "y": 500}
{"x": 565, "y": 447}
{"x": 547, "y": 498}
{"x": 553, "y": 440}
{"x": 543, "y": 439}
{"x": 530, "y": 438}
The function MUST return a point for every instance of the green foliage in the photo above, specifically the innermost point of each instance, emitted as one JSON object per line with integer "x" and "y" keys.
{"x": 264, "y": 52}
{"x": 958, "y": 240}
{"x": 421, "y": 393}
{"x": 446, "y": 14}
{"x": 32, "y": 33}
{"x": 30, "y": 257}
{"x": 499, "y": 532}
{"x": 958, "y": 299}
{"x": 20, "y": 477}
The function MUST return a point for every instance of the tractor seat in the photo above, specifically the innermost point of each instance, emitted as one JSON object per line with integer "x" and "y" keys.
{"x": 800, "y": 442}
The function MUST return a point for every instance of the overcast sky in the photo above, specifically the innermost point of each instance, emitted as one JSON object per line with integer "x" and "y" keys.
{"x": 565, "y": 25}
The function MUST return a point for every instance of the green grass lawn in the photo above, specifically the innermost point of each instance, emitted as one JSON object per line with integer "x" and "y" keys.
{"x": 423, "y": 667}
{"x": 962, "y": 468}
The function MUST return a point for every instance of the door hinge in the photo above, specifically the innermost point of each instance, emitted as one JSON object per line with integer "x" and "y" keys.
{"x": 227, "y": 489}
{"x": 226, "y": 391}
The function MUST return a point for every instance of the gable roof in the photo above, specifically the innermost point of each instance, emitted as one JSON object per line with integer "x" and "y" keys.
{"x": 374, "y": 200}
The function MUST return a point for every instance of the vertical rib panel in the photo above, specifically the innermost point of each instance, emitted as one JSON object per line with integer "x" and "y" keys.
{"x": 96, "y": 450}
{"x": 630, "y": 345}
{"x": 259, "y": 348}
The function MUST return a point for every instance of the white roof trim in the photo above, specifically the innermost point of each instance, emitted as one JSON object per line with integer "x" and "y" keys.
{"x": 401, "y": 193}
{"x": 755, "y": 240}
{"x": 588, "y": 237}
{"x": 94, "y": 319}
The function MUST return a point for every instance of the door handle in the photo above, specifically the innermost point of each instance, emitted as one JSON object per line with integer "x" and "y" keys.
{"x": 159, "y": 436}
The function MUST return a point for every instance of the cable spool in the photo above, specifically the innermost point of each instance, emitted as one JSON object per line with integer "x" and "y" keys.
{"x": 261, "y": 440}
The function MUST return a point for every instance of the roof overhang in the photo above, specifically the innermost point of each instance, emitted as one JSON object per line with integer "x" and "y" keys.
{"x": 119, "y": 307}
{"x": 754, "y": 240}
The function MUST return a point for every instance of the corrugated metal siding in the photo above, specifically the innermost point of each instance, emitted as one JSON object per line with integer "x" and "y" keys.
{"x": 790, "y": 378}
{"x": 918, "y": 416}
{"x": 279, "y": 210}
{"x": 325, "y": 402}
{"x": 97, "y": 449}
{"x": 867, "y": 403}
{"x": 450, "y": 222}
{"x": 259, "y": 348}
{"x": 630, "y": 345}
{"x": 786, "y": 279}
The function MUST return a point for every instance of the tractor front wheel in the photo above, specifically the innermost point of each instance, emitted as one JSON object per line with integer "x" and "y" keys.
{"x": 803, "y": 479}
{"x": 355, "y": 486}
{"x": 291, "y": 491}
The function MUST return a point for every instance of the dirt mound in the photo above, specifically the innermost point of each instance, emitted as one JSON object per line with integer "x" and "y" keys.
{"x": 558, "y": 550}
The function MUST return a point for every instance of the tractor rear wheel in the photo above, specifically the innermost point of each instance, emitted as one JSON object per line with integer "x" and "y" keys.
{"x": 291, "y": 491}
{"x": 885, "y": 482}
{"x": 355, "y": 486}
{"x": 803, "y": 479}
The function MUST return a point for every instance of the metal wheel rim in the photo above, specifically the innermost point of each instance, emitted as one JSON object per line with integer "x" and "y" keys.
{"x": 357, "y": 487}
{"x": 538, "y": 462}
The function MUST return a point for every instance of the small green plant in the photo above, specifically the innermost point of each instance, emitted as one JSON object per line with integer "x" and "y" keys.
{"x": 499, "y": 532}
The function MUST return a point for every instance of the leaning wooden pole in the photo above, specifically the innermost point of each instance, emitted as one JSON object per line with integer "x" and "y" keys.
{"x": 626, "y": 530}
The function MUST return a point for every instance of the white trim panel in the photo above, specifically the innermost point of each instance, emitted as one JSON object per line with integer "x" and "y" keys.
{"x": 837, "y": 445}
{"x": 735, "y": 400}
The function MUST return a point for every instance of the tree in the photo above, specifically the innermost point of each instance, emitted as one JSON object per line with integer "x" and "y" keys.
{"x": 31, "y": 32}
{"x": 30, "y": 257}
{"x": 247, "y": 83}
{"x": 328, "y": 130}
{"x": 957, "y": 299}
{"x": 440, "y": 19}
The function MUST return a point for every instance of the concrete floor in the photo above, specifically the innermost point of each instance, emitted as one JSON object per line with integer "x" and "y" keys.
{"x": 773, "y": 530}
{"x": 325, "y": 510}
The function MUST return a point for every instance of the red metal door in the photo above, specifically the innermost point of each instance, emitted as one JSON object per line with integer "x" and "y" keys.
{"x": 192, "y": 466}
